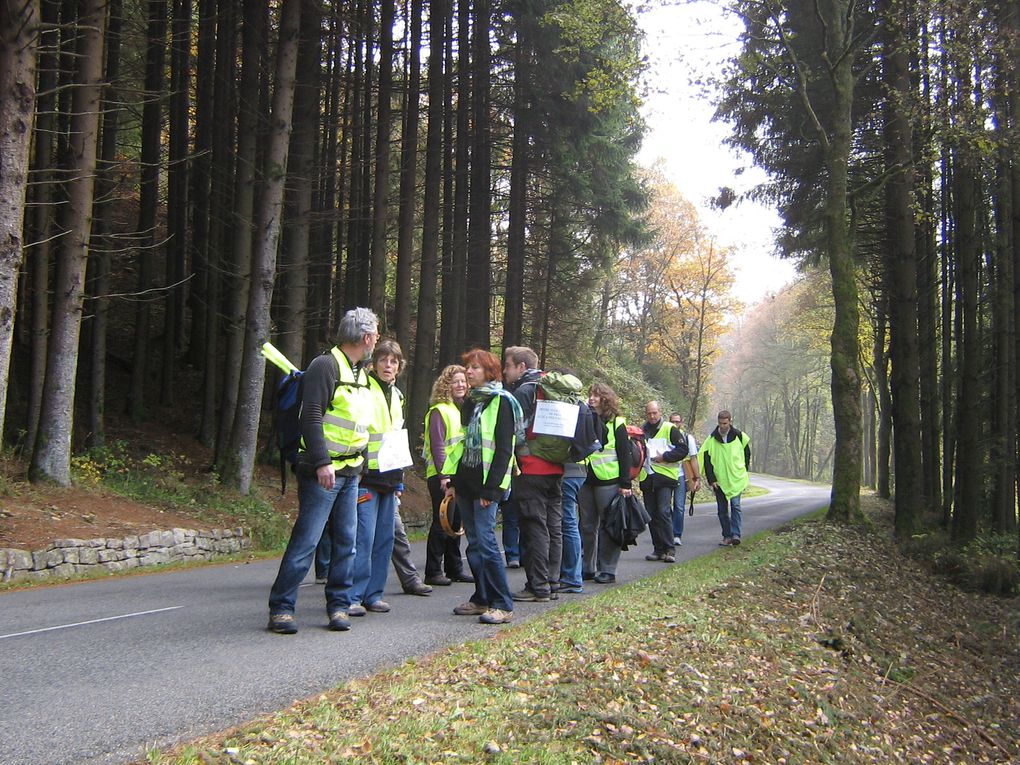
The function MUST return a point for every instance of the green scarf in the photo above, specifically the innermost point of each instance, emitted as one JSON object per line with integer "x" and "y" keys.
{"x": 481, "y": 397}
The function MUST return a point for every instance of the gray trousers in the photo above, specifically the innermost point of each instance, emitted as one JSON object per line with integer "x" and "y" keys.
{"x": 402, "y": 562}
{"x": 540, "y": 517}
{"x": 599, "y": 553}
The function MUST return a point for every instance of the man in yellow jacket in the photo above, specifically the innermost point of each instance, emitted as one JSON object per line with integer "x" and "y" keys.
{"x": 335, "y": 414}
{"x": 726, "y": 456}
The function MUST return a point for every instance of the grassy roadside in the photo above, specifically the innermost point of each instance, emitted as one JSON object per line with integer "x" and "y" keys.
{"x": 812, "y": 644}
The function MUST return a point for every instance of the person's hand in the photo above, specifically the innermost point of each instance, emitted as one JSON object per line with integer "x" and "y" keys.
{"x": 450, "y": 491}
{"x": 485, "y": 502}
{"x": 715, "y": 484}
{"x": 695, "y": 484}
{"x": 625, "y": 492}
{"x": 658, "y": 459}
{"x": 443, "y": 483}
{"x": 326, "y": 476}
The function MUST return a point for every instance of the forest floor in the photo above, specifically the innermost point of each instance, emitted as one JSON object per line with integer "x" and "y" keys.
{"x": 813, "y": 644}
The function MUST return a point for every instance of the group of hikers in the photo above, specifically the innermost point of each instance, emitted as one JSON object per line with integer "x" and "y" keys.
{"x": 492, "y": 443}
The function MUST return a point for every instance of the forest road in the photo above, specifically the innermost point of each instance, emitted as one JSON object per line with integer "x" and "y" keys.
{"x": 100, "y": 671}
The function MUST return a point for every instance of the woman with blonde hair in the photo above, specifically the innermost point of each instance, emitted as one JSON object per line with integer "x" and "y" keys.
{"x": 444, "y": 436}
{"x": 608, "y": 475}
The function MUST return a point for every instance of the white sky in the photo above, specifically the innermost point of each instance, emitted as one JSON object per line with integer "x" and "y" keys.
{"x": 685, "y": 41}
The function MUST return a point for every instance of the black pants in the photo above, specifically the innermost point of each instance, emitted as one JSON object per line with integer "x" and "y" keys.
{"x": 441, "y": 551}
{"x": 540, "y": 515}
{"x": 658, "y": 497}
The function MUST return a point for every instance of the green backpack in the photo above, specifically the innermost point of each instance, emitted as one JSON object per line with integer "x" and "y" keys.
{"x": 556, "y": 386}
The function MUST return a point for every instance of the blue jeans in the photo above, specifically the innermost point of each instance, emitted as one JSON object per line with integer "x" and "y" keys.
{"x": 729, "y": 514}
{"x": 484, "y": 557}
{"x": 679, "y": 498}
{"x": 570, "y": 563}
{"x": 318, "y": 507}
{"x": 511, "y": 529}
{"x": 375, "y": 545}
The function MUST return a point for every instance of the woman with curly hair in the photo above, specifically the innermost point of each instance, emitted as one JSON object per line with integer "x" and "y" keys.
{"x": 608, "y": 475}
{"x": 444, "y": 437}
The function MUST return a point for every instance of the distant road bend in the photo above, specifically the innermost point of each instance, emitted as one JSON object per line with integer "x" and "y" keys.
{"x": 100, "y": 671}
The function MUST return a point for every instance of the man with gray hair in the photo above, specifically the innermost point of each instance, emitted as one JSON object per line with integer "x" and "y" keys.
{"x": 334, "y": 435}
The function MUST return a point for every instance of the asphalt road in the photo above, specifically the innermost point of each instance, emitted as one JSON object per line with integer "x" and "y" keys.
{"x": 101, "y": 671}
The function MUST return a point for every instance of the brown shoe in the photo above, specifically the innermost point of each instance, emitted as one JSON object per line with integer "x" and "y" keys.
{"x": 439, "y": 580}
{"x": 496, "y": 616}
{"x": 470, "y": 608}
{"x": 379, "y": 607}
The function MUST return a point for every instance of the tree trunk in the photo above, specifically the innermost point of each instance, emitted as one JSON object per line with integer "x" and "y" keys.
{"x": 901, "y": 269}
{"x": 146, "y": 237}
{"x": 19, "y": 39}
{"x": 425, "y": 337}
{"x": 969, "y": 447}
{"x": 98, "y": 269}
{"x": 51, "y": 459}
{"x": 479, "y": 264}
{"x": 241, "y": 462}
{"x": 513, "y": 299}
{"x": 201, "y": 171}
{"x": 381, "y": 195}
{"x": 254, "y": 22}
{"x": 452, "y": 278}
{"x": 408, "y": 183}
{"x": 177, "y": 196}
{"x": 41, "y": 219}
{"x": 844, "y": 360}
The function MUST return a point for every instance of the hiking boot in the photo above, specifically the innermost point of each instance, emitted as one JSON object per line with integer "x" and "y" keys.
{"x": 513, "y": 563}
{"x": 605, "y": 578}
{"x": 527, "y": 596}
{"x": 418, "y": 589}
{"x": 338, "y": 621}
{"x": 587, "y": 576}
{"x": 653, "y": 556}
{"x": 282, "y": 624}
{"x": 356, "y": 609}
{"x": 571, "y": 589}
{"x": 677, "y": 542}
{"x": 438, "y": 580}
{"x": 463, "y": 577}
{"x": 496, "y": 616}
{"x": 667, "y": 558}
{"x": 470, "y": 608}
{"x": 379, "y": 607}
{"x": 735, "y": 541}
{"x": 726, "y": 542}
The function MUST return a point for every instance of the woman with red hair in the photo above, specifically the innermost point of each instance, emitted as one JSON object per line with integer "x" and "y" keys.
{"x": 492, "y": 419}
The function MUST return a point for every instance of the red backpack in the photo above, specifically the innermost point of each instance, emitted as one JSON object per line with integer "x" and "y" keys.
{"x": 638, "y": 449}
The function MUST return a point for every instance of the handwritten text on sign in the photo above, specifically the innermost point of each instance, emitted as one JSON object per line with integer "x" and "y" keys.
{"x": 556, "y": 418}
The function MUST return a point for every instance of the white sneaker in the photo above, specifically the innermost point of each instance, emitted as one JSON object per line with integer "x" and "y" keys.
{"x": 677, "y": 542}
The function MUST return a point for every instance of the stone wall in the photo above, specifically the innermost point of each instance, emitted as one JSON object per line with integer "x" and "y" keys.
{"x": 79, "y": 556}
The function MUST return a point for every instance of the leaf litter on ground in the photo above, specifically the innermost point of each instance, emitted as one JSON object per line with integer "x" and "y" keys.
{"x": 816, "y": 643}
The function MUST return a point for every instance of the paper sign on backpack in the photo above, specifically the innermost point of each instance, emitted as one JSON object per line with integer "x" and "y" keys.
{"x": 555, "y": 418}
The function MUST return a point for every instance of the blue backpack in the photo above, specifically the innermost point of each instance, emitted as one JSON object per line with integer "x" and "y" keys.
{"x": 286, "y": 406}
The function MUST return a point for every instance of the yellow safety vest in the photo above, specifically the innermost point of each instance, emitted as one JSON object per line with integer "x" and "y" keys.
{"x": 345, "y": 423}
{"x": 668, "y": 469}
{"x": 384, "y": 419}
{"x": 453, "y": 444}
{"x": 604, "y": 463}
{"x": 488, "y": 423}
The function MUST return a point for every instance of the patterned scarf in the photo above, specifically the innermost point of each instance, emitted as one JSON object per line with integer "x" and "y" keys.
{"x": 481, "y": 397}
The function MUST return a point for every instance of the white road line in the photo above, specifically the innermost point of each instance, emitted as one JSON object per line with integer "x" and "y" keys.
{"x": 90, "y": 621}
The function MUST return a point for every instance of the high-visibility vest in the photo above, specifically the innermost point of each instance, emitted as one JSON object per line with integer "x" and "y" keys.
{"x": 345, "y": 423}
{"x": 384, "y": 418}
{"x": 667, "y": 469}
{"x": 604, "y": 463}
{"x": 453, "y": 443}
{"x": 488, "y": 425}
